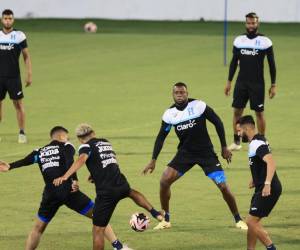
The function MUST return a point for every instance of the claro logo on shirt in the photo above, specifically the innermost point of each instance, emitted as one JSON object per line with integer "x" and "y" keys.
{"x": 191, "y": 124}
{"x": 249, "y": 52}
{"x": 7, "y": 47}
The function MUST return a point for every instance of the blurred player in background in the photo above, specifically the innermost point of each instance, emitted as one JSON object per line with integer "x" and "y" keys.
{"x": 54, "y": 159}
{"x": 12, "y": 43}
{"x": 249, "y": 51}
{"x": 264, "y": 179}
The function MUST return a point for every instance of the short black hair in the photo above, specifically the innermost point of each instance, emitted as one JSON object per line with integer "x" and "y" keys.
{"x": 58, "y": 129}
{"x": 252, "y": 15}
{"x": 246, "y": 119}
{"x": 180, "y": 84}
{"x": 7, "y": 12}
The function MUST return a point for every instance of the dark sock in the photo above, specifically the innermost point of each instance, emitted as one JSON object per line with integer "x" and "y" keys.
{"x": 167, "y": 217}
{"x": 271, "y": 247}
{"x": 117, "y": 245}
{"x": 237, "y": 218}
{"x": 237, "y": 139}
{"x": 22, "y": 132}
{"x": 154, "y": 212}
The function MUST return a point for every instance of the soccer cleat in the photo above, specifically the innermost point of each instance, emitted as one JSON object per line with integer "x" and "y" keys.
{"x": 125, "y": 247}
{"x": 235, "y": 147}
{"x": 241, "y": 225}
{"x": 22, "y": 138}
{"x": 163, "y": 225}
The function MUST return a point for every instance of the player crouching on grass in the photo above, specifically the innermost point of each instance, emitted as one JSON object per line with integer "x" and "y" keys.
{"x": 111, "y": 184}
{"x": 54, "y": 159}
{"x": 265, "y": 180}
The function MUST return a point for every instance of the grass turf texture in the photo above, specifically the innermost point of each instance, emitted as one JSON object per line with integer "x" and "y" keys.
{"x": 119, "y": 80}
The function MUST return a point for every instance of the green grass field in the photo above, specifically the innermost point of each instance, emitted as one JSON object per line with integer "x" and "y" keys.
{"x": 119, "y": 80}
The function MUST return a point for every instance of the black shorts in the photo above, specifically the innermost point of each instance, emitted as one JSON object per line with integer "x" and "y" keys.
{"x": 13, "y": 86}
{"x": 210, "y": 164}
{"x": 76, "y": 201}
{"x": 106, "y": 202}
{"x": 252, "y": 91}
{"x": 262, "y": 206}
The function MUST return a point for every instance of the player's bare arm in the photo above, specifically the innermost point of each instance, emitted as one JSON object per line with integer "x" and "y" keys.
{"x": 270, "y": 173}
{"x": 27, "y": 61}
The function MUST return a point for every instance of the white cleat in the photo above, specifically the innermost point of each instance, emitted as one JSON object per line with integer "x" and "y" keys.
{"x": 125, "y": 247}
{"x": 22, "y": 138}
{"x": 241, "y": 225}
{"x": 235, "y": 147}
{"x": 163, "y": 225}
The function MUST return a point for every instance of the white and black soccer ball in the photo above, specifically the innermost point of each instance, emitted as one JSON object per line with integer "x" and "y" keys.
{"x": 90, "y": 27}
{"x": 139, "y": 222}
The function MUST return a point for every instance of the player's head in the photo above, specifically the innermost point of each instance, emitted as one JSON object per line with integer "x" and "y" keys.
{"x": 180, "y": 93}
{"x": 246, "y": 127}
{"x": 84, "y": 132}
{"x": 252, "y": 23}
{"x": 59, "y": 133}
{"x": 7, "y": 18}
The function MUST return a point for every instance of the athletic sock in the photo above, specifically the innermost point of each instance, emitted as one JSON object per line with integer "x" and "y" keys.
{"x": 237, "y": 218}
{"x": 117, "y": 245}
{"x": 22, "y": 132}
{"x": 237, "y": 139}
{"x": 154, "y": 212}
{"x": 167, "y": 216}
{"x": 271, "y": 247}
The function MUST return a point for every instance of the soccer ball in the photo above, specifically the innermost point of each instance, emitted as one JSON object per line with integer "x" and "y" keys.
{"x": 90, "y": 27}
{"x": 139, "y": 222}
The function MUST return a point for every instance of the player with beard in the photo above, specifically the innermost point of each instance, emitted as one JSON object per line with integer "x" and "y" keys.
{"x": 249, "y": 51}
{"x": 264, "y": 179}
{"x": 12, "y": 44}
{"x": 188, "y": 117}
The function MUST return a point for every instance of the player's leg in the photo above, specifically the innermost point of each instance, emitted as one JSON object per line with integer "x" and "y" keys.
{"x": 3, "y": 91}
{"x": 98, "y": 238}
{"x": 35, "y": 234}
{"x": 1, "y": 112}
{"x": 240, "y": 99}
{"x": 15, "y": 92}
{"x": 257, "y": 231}
{"x": 213, "y": 170}
{"x": 82, "y": 204}
{"x": 141, "y": 201}
{"x": 257, "y": 100}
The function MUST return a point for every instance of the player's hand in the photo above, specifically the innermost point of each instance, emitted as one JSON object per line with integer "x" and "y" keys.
{"x": 4, "y": 167}
{"x": 59, "y": 181}
{"x": 75, "y": 186}
{"x": 149, "y": 167}
{"x": 266, "y": 190}
{"x": 251, "y": 184}
{"x": 28, "y": 80}
{"x": 227, "y": 88}
{"x": 272, "y": 91}
{"x": 90, "y": 179}
{"x": 226, "y": 154}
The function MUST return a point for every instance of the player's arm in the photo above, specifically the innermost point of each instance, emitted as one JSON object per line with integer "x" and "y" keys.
{"x": 73, "y": 169}
{"x": 69, "y": 154}
{"x": 26, "y": 161}
{"x": 232, "y": 69}
{"x": 217, "y": 122}
{"x": 272, "y": 67}
{"x": 158, "y": 145}
{"x": 264, "y": 153}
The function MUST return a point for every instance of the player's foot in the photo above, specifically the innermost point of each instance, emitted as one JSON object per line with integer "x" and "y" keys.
{"x": 241, "y": 225}
{"x": 163, "y": 225}
{"x": 125, "y": 247}
{"x": 235, "y": 147}
{"x": 22, "y": 138}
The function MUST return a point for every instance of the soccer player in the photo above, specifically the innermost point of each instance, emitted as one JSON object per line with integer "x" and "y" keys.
{"x": 249, "y": 51}
{"x": 54, "y": 160}
{"x": 12, "y": 43}
{"x": 111, "y": 184}
{"x": 264, "y": 180}
{"x": 188, "y": 117}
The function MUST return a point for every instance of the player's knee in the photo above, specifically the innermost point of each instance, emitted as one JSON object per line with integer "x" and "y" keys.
{"x": 238, "y": 113}
{"x": 259, "y": 115}
{"x": 18, "y": 105}
{"x": 165, "y": 183}
{"x": 39, "y": 228}
{"x": 251, "y": 223}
